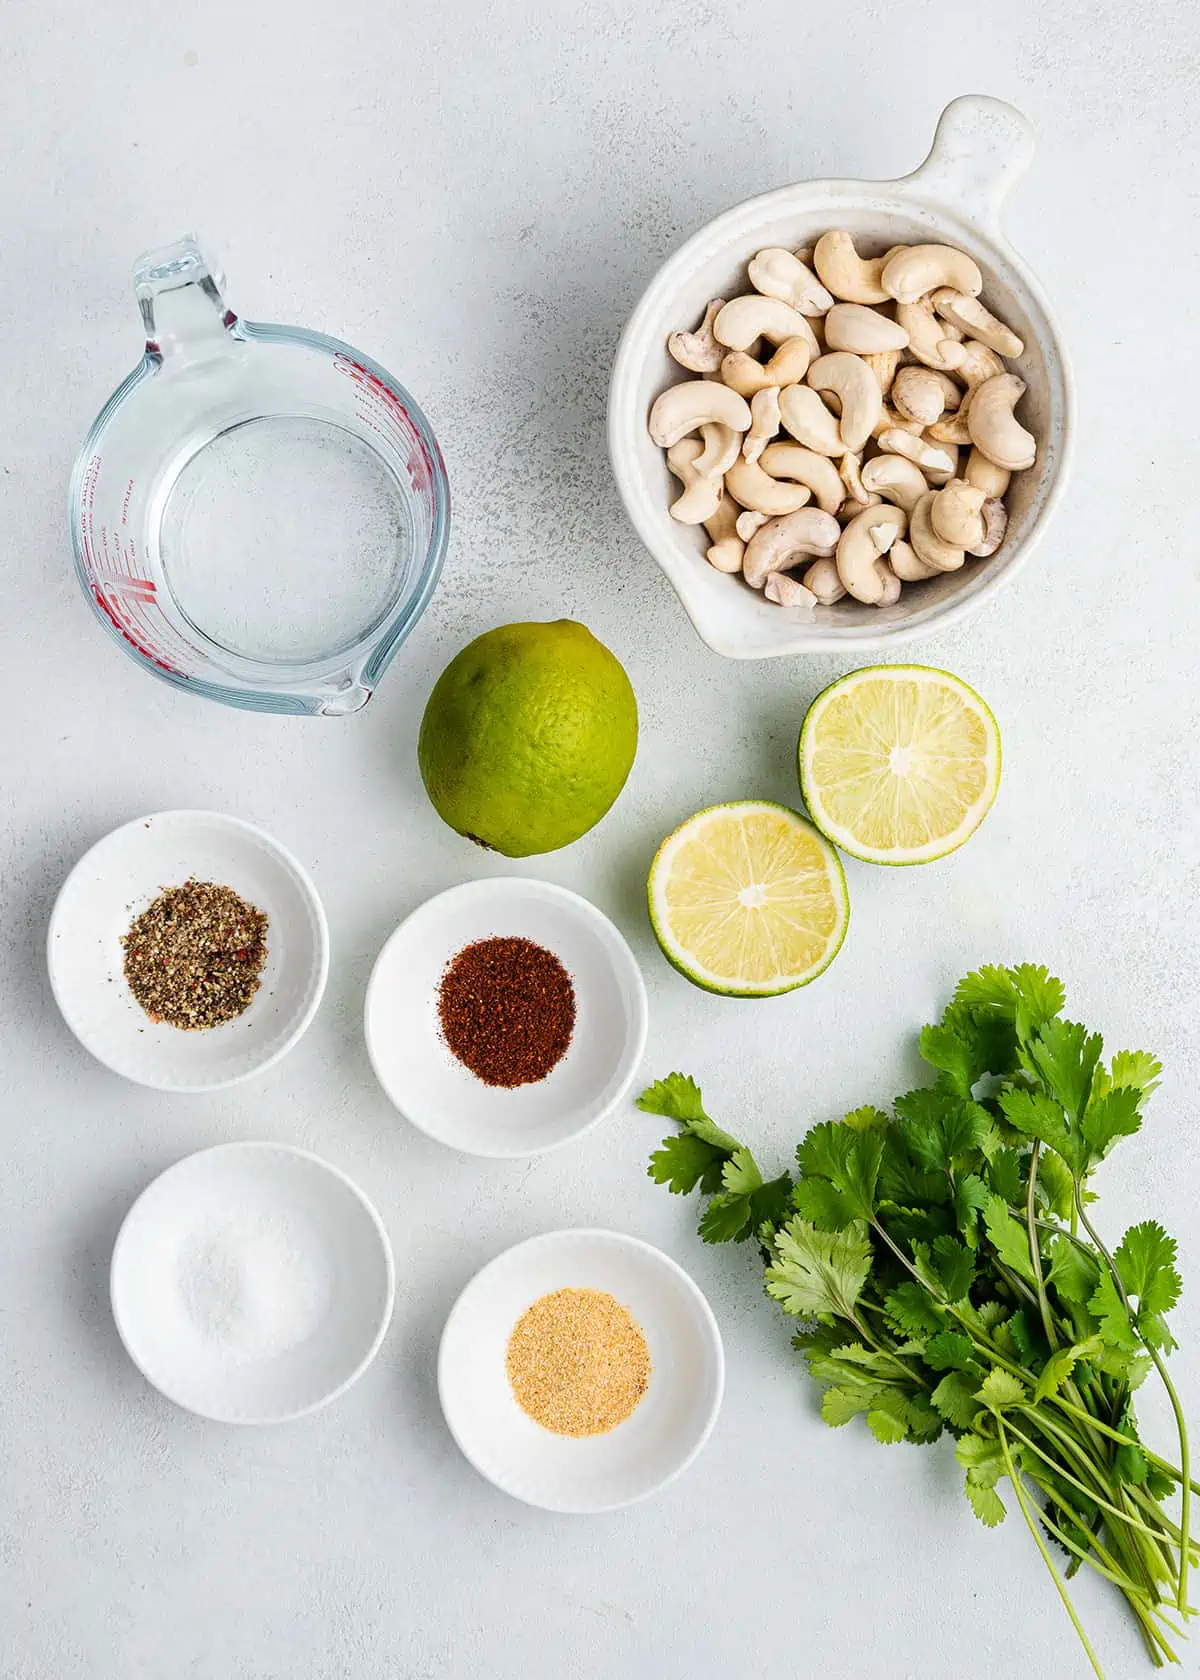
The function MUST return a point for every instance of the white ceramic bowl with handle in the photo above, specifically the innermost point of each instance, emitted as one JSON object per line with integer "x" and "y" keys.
{"x": 981, "y": 147}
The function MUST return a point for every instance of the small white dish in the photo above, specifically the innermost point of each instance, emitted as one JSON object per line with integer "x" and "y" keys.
{"x": 656, "y": 1442}
{"x": 252, "y": 1283}
{"x": 981, "y": 148}
{"x": 442, "y": 1097}
{"x": 115, "y": 881}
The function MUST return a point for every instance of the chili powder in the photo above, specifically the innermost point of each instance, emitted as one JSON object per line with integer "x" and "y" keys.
{"x": 507, "y": 1010}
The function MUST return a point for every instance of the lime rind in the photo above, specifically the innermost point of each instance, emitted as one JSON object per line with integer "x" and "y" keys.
{"x": 899, "y": 857}
{"x": 725, "y": 985}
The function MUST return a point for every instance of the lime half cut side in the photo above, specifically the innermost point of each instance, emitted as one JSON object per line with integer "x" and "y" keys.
{"x": 748, "y": 900}
{"x": 899, "y": 764}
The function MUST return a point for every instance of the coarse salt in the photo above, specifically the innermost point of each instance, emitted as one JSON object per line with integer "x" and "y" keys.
{"x": 253, "y": 1285}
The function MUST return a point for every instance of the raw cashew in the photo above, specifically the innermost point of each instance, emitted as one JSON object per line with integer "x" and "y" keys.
{"x": 752, "y": 488}
{"x": 788, "y": 591}
{"x": 917, "y": 392}
{"x": 956, "y": 514}
{"x": 890, "y": 419}
{"x": 905, "y": 562}
{"x": 942, "y": 556}
{"x": 929, "y": 457}
{"x": 938, "y": 476}
{"x": 748, "y": 522}
{"x": 747, "y": 319}
{"x": 952, "y": 428}
{"x": 931, "y": 340}
{"x": 848, "y": 276}
{"x": 776, "y": 273}
{"x": 995, "y": 524}
{"x": 861, "y": 548}
{"x": 896, "y": 479}
{"x": 685, "y": 408}
{"x": 746, "y": 375}
{"x": 852, "y": 326}
{"x": 764, "y": 422}
{"x": 725, "y": 554}
{"x": 912, "y": 273}
{"x": 722, "y": 446}
{"x": 850, "y": 509}
{"x": 699, "y": 350}
{"x": 783, "y": 544}
{"x": 806, "y": 417}
{"x": 701, "y": 496}
{"x": 851, "y": 476}
{"x": 805, "y": 466}
{"x": 986, "y": 475}
{"x": 977, "y": 321}
{"x": 884, "y": 364}
{"x": 823, "y": 581}
{"x": 978, "y": 364}
{"x": 994, "y": 427}
{"x": 856, "y": 387}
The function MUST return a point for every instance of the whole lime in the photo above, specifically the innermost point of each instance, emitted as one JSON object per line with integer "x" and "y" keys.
{"x": 528, "y": 737}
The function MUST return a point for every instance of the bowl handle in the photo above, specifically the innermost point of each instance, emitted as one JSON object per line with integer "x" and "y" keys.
{"x": 981, "y": 148}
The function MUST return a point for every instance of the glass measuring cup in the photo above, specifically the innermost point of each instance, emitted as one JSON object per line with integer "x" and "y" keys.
{"x": 259, "y": 513}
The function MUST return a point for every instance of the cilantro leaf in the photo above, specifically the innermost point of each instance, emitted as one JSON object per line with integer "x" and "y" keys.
{"x": 955, "y": 1399}
{"x": 848, "y": 1158}
{"x": 684, "y": 1161}
{"x": 953, "y": 1265}
{"x": 886, "y": 1428}
{"x": 938, "y": 1127}
{"x": 1028, "y": 994}
{"x": 818, "y": 1271}
{"x": 677, "y": 1097}
{"x": 1145, "y": 1259}
{"x": 1112, "y": 1116}
{"x": 1055, "y": 1184}
{"x": 982, "y": 1455}
{"x": 1064, "y": 1056}
{"x": 989, "y": 987}
{"x": 740, "y": 1174}
{"x": 970, "y": 1197}
{"x": 839, "y": 1405}
{"x": 1073, "y": 1272}
{"x": 1060, "y": 1365}
{"x": 949, "y": 1351}
{"x": 1008, "y": 1237}
{"x": 867, "y": 1119}
{"x": 1154, "y": 1332}
{"x": 967, "y": 1044}
{"x": 823, "y": 1205}
{"x": 1038, "y": 1116}
{"x": 1004, "y": 1175}
{"x": 1107, "y": 1307}
{"x": 911, "y": 1310}
{"x": 1028, "y": 1339}
{"x": 986, "y": 1503}
{"x": 1135, "y": 1070}
{"x": 1000, "y": 1389}
{"x": 727, "y": 1218}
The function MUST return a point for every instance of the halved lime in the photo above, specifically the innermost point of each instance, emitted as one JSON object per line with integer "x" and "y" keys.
{"x": 899, "y": 763}
{"x": 748, "y": 900}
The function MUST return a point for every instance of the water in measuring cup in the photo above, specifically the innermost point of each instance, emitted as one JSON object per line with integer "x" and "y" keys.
{"x": 284, "y": 538}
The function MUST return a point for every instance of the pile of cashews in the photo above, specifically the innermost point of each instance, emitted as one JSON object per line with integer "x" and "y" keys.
{"x": 880, "y": 371}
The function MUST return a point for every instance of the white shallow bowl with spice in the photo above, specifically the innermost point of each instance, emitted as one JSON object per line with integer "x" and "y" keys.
{"x": 981, "y": 148}
{"x": 252, "y": 1283}
{"x": 580, "y": 1474}
{"x": 117, "y": 880}
{"x": 436, "y": 1091}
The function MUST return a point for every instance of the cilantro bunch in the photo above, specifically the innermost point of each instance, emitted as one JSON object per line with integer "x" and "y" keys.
{"x": 951, "y": 1278}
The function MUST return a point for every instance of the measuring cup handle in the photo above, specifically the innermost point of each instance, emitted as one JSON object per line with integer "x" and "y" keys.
{"x": 981, "y": 148}
{"x": 182, "y": 308}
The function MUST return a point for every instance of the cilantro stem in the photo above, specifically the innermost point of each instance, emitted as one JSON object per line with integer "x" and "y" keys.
{"x": 913, "y": 1376}
{"x": 1097, "y": 1499}
{"x": 1185, "y": 1510}
{"x": 1014, "y": 1476}
{"x": 1035, "y": 1253}
{"x": 1111, "y": 1570}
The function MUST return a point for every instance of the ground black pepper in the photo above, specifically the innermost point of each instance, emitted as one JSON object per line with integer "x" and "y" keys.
{"x": 507, "y": 1010}
{"x": 194, "y": 958}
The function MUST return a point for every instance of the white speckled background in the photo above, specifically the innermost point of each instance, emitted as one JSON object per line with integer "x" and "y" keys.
{"x": 476, "y": 195}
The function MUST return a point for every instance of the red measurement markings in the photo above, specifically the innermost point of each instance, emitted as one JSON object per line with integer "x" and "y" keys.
{"x": 417, "y": 457}
{"x": 119, "y": 614}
